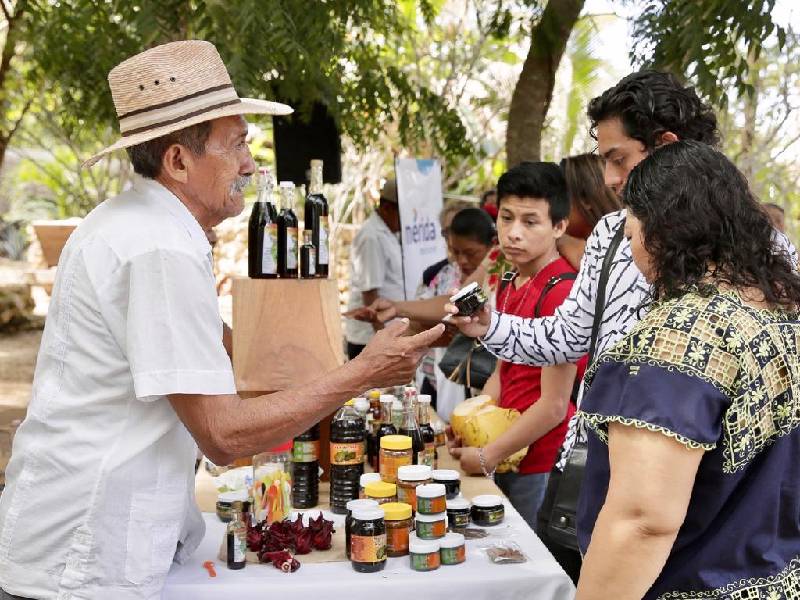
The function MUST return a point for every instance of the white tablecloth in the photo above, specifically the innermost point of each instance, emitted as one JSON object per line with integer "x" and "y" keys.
{"x": 476, "y": 579}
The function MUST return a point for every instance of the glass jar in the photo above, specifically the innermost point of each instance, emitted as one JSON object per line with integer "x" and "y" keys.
{"x": 272, "y": 484}
{"x": 409, "y": 478}
{"x": 368, "y": 540}
{"x": 431, "y": 527}
{"x": 225, "y": 504}
{"x": 431, "y": 499}
{"x": 381, "y": 492}
{"x": 395, "y": 452}
{"x": 364, "y": 480}
{"x": 450, "y": 479}
{"x": 487, "y": 510}
{"x": 348, "y": 520}
{"x": 452, "y": 549}
{"x": 458, "y": 514}
{"x": 397, "y": 516}
{"x": 424, "y": 554}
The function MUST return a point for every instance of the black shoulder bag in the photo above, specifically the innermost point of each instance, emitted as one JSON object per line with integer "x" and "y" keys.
{"x": 560, "y": 504}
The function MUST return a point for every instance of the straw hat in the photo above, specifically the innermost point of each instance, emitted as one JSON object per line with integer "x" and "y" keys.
{"x": 173, "y": 86}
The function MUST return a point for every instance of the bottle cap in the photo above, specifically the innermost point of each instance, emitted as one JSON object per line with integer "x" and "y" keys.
{"x": 452, "y": 540}
{"x": 446, "y": 475}
{"x": 418, "y": 546}
{"x": 367, "y": 514}
{"x": 426, "y": 398}
{"x": 396, "y": 442}
{"x": 368, "y": 478}
{"x": 286, "y": 185}
{"x": 361, "y": 503}
{"x": 431, "y": 518}
{"x": 380, "y": 489}
{"x": 431, "y": 490}
{"x": 231, "y": 497}
{"x": 396, "y": 511}
{"x": 458, "y": 504}
{"x": 487, "y": 501}
{"x": 361, "y": 404}
{"x": 413, "y": 472}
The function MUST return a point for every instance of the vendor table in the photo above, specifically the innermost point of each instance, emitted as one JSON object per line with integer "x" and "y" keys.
{"x": 476, "y": 579}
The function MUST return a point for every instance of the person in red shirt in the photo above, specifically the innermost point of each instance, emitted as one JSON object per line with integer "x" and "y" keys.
{"x": 533, "y": 207}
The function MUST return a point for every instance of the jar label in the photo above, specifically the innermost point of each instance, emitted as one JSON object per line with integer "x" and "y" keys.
{"x": 432, "y": 506}
{"x": 408, "y": 495}
{"x": 428, "y": 455}
{"x": 350, "y": 453}
{"x": 269, "y": 251}
{"x": 391, "y": 462}
{"x": 291, "y": 248}
{"x": 431, "y": 531}
{"x": 453, "y": 556}
{"x": 368, "y": 548}
{"x": 425, "y": 562}
{"x": 494, "y": 516}
{"x": 305, "y": 451}
{"x": 397, "y": 539}
{"x": 458, "y": 520}
{"x": 323, "y": 241}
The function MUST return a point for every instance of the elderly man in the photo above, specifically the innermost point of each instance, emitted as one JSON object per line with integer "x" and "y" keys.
{"x": 134, "y": 370}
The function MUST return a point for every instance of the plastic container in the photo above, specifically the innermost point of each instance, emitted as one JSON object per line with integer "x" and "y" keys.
{"x": 487, "y": 510}
{"x": 450, "y": 479}
{"x": 452, "y": 549}
{"x": 469, "y": 299}
{"x": 424, "y": 554}
{"x": 368, "y": 540}
{"x": 431, "y": 499}
{"x": 397, "y": 517}
{"x": 272, "y": 484}
{"x": 347, "y": 456}
{"x": 348, "y": 520}
{"x": 395, "y": 452}
{"x": 408, "y": 480}
{"x": 431, "y": 527}
{"x": 458, "y": 514}
{"x": 381, "y": 491}
{"x": 364, "y": 480}
{"x": 225, "y": 504}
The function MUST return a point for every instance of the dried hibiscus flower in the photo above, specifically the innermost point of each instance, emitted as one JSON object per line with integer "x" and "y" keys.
{"x": 282, "y": 560}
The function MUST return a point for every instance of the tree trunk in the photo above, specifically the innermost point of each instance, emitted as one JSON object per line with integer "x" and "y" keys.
{"x": 534, "y": 90}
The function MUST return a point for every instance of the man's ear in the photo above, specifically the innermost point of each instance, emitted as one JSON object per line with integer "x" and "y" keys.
{"x": 174, "y": 164}
{"x": 666, "y": 137}
{"x": 560, "y": 228}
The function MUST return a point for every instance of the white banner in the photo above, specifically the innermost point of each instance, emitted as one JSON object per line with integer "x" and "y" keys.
{"x": 419, "y": 193}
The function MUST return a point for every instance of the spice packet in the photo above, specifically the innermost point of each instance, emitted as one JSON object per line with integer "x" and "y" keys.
{"x": 505, "y": 552}
{"x": 473, "y": 533}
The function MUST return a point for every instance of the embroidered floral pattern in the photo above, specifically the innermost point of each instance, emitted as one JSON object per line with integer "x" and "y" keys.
{"x": 750, "y": 355}
{"x": 597, "y": 422}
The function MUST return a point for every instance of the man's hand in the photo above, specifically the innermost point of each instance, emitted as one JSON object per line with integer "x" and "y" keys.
{"x": 475, "y": 326}
{"x": 380, "y": 311}
{"x": 391, "y": 358}
{"x": 453, "y": 442}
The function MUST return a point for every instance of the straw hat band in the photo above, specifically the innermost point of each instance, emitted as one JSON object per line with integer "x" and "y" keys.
{"x": 176, "y": 110}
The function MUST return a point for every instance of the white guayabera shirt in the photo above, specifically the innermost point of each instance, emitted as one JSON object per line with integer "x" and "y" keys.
{"x": 100, "y": 487}
{"x": 566, "y": 336}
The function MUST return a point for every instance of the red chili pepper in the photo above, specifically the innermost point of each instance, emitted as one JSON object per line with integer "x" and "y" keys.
{"x": 209, "y": 566}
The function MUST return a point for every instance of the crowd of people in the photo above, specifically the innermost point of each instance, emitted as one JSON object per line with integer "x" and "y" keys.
{"x": 685, "y": 306}
{"x": 643, "y": 319}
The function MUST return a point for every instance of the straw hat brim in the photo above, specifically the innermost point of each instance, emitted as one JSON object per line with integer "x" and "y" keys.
{"x": 247, "y": 106}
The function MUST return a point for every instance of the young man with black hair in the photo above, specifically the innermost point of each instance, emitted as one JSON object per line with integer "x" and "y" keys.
{"x": 533, "y": 207}
{"x": 643, "y": 111}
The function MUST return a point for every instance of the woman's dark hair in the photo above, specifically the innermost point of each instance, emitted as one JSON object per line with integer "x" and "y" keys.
{"x": 474, "y": 224}
{"x": 650, "y": 103}
{"x": 587, "y": 189}
{"x": 700, "y": 221}
{"x": 541, "y": 180}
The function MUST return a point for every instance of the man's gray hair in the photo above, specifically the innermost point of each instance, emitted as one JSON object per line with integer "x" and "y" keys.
{"x": 146, "y": 157}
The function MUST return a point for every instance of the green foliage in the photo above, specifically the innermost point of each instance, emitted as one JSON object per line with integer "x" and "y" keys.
{"x": 707, "y": 41}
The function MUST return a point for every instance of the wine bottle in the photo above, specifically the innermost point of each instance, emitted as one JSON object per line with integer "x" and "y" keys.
{"x": 287, "y": 233}
{"x": 308, "y": 257}
{"x": 262, "y": 237}
{"x": 320, "y": 228}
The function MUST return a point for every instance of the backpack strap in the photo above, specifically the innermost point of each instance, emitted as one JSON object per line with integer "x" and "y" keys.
{"x": 553, "y": 282}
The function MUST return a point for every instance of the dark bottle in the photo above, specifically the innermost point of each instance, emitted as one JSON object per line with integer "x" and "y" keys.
{"x": 287, "y": 232}
{"x": 305, "y": 469}
{"x": 262, "y": 232}
{"x": 347, "y": 456}
{"x": 236, "y": 539}
{"x": 308, "y": 257}
{"x": 368, "y": 540}
{"x": 316, "y": 202}
{"x": 410, "y": 428}
{"x": 430, "y": 457}
{"x": 385, "y": 428}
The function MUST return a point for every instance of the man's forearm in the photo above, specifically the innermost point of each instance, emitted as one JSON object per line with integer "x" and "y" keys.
{"x": 624, "y": 558}
{"x": 227, "y": 339}
{"x": 428, "y": 310}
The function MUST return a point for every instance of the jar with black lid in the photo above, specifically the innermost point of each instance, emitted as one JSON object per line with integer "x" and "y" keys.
{"x": 348, "y": 520}
{"x": 487, "y": 510}
{"x": 450, "y": 479}
{"x": 368, "y": 540}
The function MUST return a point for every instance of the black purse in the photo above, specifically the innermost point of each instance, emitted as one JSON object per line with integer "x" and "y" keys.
{"x": 560, "y": 505}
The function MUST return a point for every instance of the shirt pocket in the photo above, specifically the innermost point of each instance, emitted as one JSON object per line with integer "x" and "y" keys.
{"x": 153, "y": 530}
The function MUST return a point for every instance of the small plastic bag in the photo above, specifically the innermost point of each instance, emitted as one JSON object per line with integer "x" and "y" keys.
{"x": 503, "y": 552}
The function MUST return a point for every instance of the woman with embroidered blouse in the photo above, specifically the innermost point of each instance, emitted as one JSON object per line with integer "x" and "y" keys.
{"x": 692, "y": 485}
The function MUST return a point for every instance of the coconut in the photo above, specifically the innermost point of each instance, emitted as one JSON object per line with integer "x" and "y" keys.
{"x": 487, "y": 424}
{"x": 466, "y": 409}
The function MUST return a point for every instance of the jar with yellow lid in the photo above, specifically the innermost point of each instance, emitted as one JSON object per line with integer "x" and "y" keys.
{"x": 381, "y": 491}
{"x": 398, "y": 527}
{"x": 395, "y": 452}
